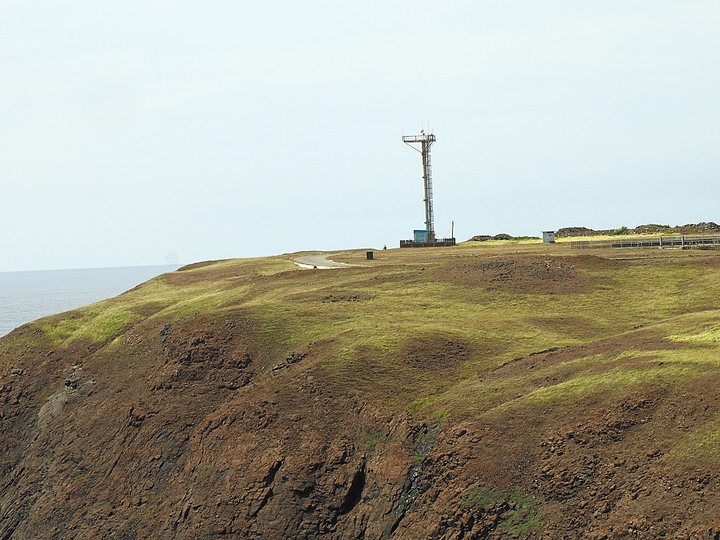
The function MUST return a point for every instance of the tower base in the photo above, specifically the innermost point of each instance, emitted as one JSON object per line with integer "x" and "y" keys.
{"x": 438, "y": 242}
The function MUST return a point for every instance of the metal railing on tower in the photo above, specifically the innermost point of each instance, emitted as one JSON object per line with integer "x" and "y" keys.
{"x": 426, "y": 141}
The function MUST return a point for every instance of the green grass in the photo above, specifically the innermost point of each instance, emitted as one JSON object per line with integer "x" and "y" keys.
{"x": 409, "y": 294}
{"x": 523, "y": 516}
{"x": 709, "y": 336}
{"x": 95, "y": 326}
{"x": 62, "y": 330}
{"x": 372, "y": 438}
{"x": 703, "y": 445}
{"x": 615, "y": 379}
{"x": 406, "y": 303}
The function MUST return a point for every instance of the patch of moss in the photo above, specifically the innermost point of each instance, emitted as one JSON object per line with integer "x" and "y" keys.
{"x": 440, "y": 414}
{"x": 523, "y": 515}
{"x": 371, "y": 438}
{"x": 416, "y": 405}
{"x": 424, "y": 443}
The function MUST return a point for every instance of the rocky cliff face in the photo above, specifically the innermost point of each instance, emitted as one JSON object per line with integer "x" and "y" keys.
{"x": 215, "y": 421}
{"x": 192, "y": 436}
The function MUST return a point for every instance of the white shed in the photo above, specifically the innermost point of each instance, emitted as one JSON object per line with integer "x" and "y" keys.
{"x": 548, "y": 237}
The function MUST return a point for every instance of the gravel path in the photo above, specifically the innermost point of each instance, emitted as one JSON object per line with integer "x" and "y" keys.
{"x": 320, "y": 262}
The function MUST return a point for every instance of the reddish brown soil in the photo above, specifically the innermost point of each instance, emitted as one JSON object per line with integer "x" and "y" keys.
{"x": 436, "y": 353}
{"x": 523, "y": 274}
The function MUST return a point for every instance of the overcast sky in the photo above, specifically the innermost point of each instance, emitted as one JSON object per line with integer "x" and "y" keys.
{"x": 153, "y": 132}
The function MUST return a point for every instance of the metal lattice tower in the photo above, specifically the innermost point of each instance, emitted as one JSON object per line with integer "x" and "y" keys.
{"x": 426, "y": 141}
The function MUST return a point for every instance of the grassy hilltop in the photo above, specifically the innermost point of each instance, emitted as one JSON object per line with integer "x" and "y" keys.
{"x": 496, "y": 389}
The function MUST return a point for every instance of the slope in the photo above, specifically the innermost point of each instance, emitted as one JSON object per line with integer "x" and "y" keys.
{"x": 502, "y": 390}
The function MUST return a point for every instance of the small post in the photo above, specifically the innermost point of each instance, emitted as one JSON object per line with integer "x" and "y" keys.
{"x": 452, "y": 229}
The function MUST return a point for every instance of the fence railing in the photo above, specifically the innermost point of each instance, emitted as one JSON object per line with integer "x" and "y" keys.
{"x": 650, "y": 242}
{"x": 438, "y": 242}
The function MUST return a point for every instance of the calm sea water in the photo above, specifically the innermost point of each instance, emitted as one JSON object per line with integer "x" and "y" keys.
{"x": 26, "y": 296}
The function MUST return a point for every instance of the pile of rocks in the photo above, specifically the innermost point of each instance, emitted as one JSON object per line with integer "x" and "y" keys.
{"x": 651, "y": 228}
{"x": 578, "y": 231}
{"x": 486, "y": 237}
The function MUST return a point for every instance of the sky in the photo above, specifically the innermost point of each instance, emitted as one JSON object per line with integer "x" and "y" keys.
{"x": 173, "y": 131}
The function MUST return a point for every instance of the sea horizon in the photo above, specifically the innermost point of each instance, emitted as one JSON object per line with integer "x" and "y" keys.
{"x": 28, "y": 295}
{"x": 177, "y": 265}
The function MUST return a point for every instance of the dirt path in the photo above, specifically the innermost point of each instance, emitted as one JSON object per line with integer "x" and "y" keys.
{"x": 320, "y": 262}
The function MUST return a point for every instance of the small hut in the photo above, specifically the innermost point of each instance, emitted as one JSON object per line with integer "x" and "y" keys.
{"x": 548, "y": 237}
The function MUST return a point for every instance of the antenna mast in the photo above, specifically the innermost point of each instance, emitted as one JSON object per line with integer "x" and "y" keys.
{"x": 425, "y": 141}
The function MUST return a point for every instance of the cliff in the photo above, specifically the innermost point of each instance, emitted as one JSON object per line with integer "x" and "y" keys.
{"x": 471, "y": 392}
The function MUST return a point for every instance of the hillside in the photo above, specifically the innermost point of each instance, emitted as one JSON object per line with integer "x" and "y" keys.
{"x": 492, "y": 390}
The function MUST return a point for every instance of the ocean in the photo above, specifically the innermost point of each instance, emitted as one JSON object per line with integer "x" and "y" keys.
{"x": 26, "y": 296}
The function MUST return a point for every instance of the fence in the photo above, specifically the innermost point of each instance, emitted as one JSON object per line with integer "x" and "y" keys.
{"x": 682, "y": 242}
{"x": 439, "y": 242}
